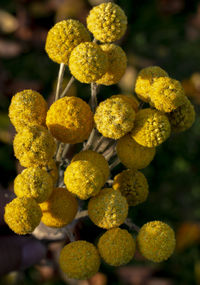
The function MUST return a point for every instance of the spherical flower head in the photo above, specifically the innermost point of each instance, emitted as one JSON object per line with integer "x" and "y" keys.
{"x": 134, "y": 155}
{"x": 156, "y": 241}
{"x": 129, "y": 98}
{"x": 166, "y": 94}
{"x": 151, "y": 128}
{"x": 52, "y": 169}
{"x": 116, "y": 247}
{"x": 114, "y": 118}
{"x": 132, "y": 185}
{"x": 27, "y": 108}
{"x": 183, "y": 117}
{"x": 97, "y": 159}
{"x": 108, "y": 209}
{"x": 107, "y": 22}
{"x": 88, "y": 62}
{"x": 187, "y": 235}
{"x": 60, "y": 209}
{"x": 34, "y": 182}
{"x": 63, "y": 38}
{"x": 70, "y": 120}
{"x": 79, "y": 260}
{"x": 22, "y": 215}
{"x": 34, "y": 146}
{"x": 117, "y": 63}
{"x": 84, "y": 179}
{"x": 145, "y": 80}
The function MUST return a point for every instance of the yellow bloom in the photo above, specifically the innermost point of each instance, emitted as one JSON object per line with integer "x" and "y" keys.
{"x": 52, "y": 169}
{"x": 187, "y": 234}
{"x": 70, "y": 120}
{"x": 116, "y": 247}
{"x": 63, "y": 38}
{"x": 27, "y": 108}
{"x": 107, "y": 22}
{"x": 129, "y": 99}
{"x": 79, "y": 260}
{"x": 88, "y": 62}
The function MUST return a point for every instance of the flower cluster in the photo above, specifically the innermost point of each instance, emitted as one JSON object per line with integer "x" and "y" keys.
{"x": 51, "y": 188}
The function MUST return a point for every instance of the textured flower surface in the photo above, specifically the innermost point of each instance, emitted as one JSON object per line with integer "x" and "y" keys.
{"x": 63, "y": 38}
{"x": 108, "y": 209}
{"x": 52, "y": 169}
{"x": 27, "y": 108}
{"x": 107, "y": 22}
{"x": 151, "y": 128}
{"x": 156, "y": 241}
{"x": 34, "y": 146}
{"x": 70, "y": 120}
{"x": 34, "y": 182}
{"x": 134, "y": 155}
{"x": 116, "y": 247}
{"x": 132, "y": 100}
{"x": 79, "y": 260}
{"x": 132, "y": 185}
{"x": 22, "y": 215}
{"x": 60, "y": 209}
{"x": 88, "y": 62}
{"x": 114, "y": 118}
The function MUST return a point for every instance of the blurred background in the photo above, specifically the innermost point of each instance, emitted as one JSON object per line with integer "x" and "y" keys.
{"x": 160, "y": 32}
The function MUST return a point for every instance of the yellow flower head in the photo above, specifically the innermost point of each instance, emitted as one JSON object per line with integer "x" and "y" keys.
{"x": 63, "y": 38}
{"x": 22, "y": 215}
{"x": 83, "y": 178}
{"x": 117, "y": 63}
{"x": 79, "y": 260}
{"x": 116, "y": 247}
{"x": 107, "y": 22}
{"x": 34, "y": 146}
{"x": 145, "y": 80}
{"x": 108, "y": 209}
{"x": 52, "y": 169}
{"x": 97, "y": 159}
{"x": 114, "y": 118}
{"x": 34, "y": 182}
{"x": 156, "y": 241}
{"x": 151, "y": 128}
{"x": 27, "y": 108}
{"x": 187, "y": 235}
{"x": 134, "y": 155}
{"x": 88, "y": 62}
{"x": 129, "y": 98}
{"x": 132, "y": 185}
{"x": 166, "y": 94}
{"x": 182, "y": 118}
{"x": 60, "y": 209}
{"x": 70, "y": 120}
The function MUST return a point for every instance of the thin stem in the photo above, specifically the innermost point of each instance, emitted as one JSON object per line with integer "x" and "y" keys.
{"x": 109, "y": 152}
{"x": 60, "y": 80}
{"x": 131, "y": 225}
{"x": 115, "y": 163}
{"x": 81, "y": 214}
{"x": 110, "y": 182}
{"x": 65, "y": 151}
{"x": 98, "y": 143}
{"x": 69, "y": 234}
{"x": 59, "y": 152}
{"x": 69, "y": 84}
{"x": 93, "y": 96}
{"x": 90, "y": 140}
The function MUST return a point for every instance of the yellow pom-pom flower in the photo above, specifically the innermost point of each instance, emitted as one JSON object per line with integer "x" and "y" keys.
{"x": 114, "y": 118}
{"x": 166, "y": 94}
{"x": 156, "y": 241}
{"x": 79, "y": 260}
{"x": 151, "y": 128}
{"x": 34, "y": 146}
{"x": 22, "y": 215}
{"x": 134, "y": 155}
{"x": 34, "y": 182}
{"x": 60, "y": 209}
{"x": 88, "y": 62}
{"x": 70, "y": 120}
{"x": 27, "y": 108}
{"x": 182, "y": 118}
{"x": 129, "y": 99}
{"x": 97, "y": 159}
{"x": 107, "y": 22}
{"x": 108, "y": 209}
{"x": 63, "y": 38}
{"x": 83, "y": 178}
{"x": 132, "y": 185}
{"x": 117, "y": 63}
{"x": 145, "y": 80}
{"x": 52, "y": 169}
{"x": 116, "y": 247}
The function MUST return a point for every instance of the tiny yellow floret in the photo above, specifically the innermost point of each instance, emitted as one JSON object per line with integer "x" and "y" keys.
{"x": 156, "y": 241}
{"x": 22, "y": 215}
{"x": 79, "y": 260}
{"x": 116, "y": 247}
{"x": 108, "y": 209}
{"x": 129, "y": 98}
